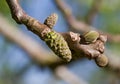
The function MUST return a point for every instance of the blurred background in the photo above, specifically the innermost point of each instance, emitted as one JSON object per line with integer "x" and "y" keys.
{"x": 16, "y": 66}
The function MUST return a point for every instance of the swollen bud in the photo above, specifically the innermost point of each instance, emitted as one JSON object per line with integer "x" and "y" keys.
{"x": 101, "y": 61}
{"x": 91, "y": 36}
{"x": 51, "y": 20}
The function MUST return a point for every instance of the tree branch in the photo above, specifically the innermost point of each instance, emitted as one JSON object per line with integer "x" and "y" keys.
{"x": 80, "y": 25}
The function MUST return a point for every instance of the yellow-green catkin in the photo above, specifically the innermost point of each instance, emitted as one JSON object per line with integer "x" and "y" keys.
{"x": 91, "y": 36}
{"x": 57, "y": 43}
{"x": 51, "y": 20}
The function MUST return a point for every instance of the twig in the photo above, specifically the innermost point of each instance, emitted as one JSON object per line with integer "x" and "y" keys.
{"x": 93, "y": 11}
{"x": 80, "y": 25}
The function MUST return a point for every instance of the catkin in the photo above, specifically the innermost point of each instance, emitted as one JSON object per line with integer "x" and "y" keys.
{"x": 51, "y": 20}
{"x": 57, "y": 43}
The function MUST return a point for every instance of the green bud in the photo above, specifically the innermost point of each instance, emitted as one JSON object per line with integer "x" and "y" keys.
{"x": 91, "y": 36}
{"x": 59, "y": 46}
{"x": 101, "y": 61}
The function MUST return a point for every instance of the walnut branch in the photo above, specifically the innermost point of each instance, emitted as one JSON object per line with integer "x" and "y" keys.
{"x": 77, "y": 43}
{"x": 80, "y": 25}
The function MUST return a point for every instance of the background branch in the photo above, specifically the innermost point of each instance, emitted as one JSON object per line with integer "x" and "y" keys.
{"x": 68, "y": 76}
{"x": 114, "y": 64}
{"x": 93, "y": 11}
